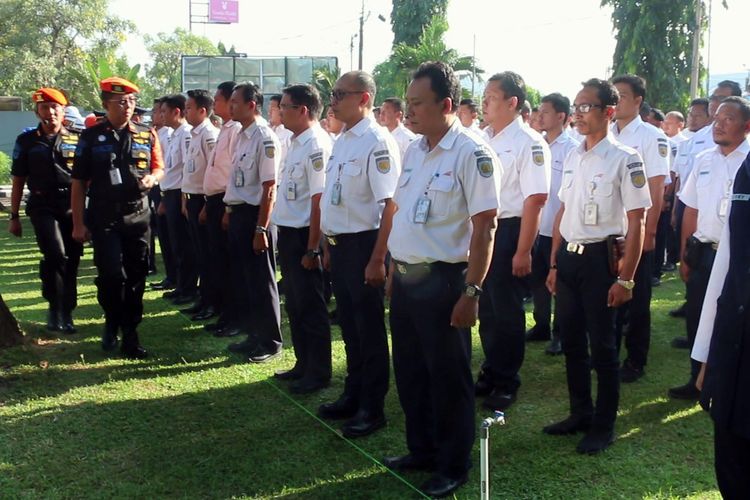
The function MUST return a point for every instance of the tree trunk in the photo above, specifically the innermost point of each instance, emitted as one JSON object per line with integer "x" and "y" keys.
{"x": 10, "y": 333}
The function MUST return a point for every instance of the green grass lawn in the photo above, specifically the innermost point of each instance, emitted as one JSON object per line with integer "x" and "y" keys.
{"x": 193, "y": 421}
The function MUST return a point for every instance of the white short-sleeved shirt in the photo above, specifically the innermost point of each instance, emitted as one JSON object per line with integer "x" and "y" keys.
{"x": 559, "y": 149}
{"x": 164, "y": 134}
{"x": 650, "y": 143}
{"x": 366, "y": 163}
{"x": 220, "y": 161}
{"x": 202, "y": 144}
{"x": 285, "y": 137}
{"x": 174, "y": 158}
{"x": 255, "y": 161}
{"x": 688, "y": 150}
{"x": 302, "y": 176}
{"x": 403, "y": 137}
{"x": 525, "y": 157}
{"x": 710, "y": 182}
{"x": 611, "y": 176}
{"x": 461, "y": 178}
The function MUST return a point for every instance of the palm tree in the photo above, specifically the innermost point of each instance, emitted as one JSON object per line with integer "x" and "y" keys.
{"x": 324, "y": 78}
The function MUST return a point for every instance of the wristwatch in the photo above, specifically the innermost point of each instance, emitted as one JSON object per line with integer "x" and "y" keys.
{"x": 626, "y": 284}
{"x": 471, "y": 290}
{"x": 311, "y": 254}
{"x": 261, "y": 230}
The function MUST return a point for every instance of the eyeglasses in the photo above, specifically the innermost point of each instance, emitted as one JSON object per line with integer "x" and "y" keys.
{"x": 128, "y": 101}
{"x": 585, "y": 108}
{"x": 289, "y": 106}
{"x": 338, "y": 95}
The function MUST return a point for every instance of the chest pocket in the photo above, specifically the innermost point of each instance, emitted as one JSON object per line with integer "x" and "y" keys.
{"x": 603, "y": 189}
{"x": 440, "y": 192}
{"x": 567, "y": 179}
{"x": 297, "y": 171}
{"x": 703, "y": 180}
{"x": 351, "y": 169}
{"x": 246, "y": 162}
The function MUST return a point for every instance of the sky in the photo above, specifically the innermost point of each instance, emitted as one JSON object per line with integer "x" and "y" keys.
{"x": 553, "y": 44}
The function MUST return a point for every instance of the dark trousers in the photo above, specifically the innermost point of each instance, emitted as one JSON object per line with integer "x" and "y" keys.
{"x": 432, "y": 364}
{"x": 361, "y": 316}
{"x": 542, "y": 297}
{"x": 61, "y": 254}
{"x": 673, "y": 234}
{"x": 165, "y": 245}
{"x": 254, "y": 280}
{"x": 121, "y": 258}
{"x": 662, "y": 233}
{"x": 696, "y": 286}
{"x": 179, "y": 239}
{"x": 218, "y": 255}
{"x": 732, "y": 463}
{"x": 199, "y": 241}
{"x": 502, "y": 319}
{"x": 636, "y": 314}
{"x": 306, "y": 306}
{"x": 154, "y": 198}
{"x": 586, "y": 322}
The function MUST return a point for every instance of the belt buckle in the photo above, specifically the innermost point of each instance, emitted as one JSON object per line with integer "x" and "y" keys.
{"x": 331, "y": 240}
{"x": 401, "y": 268}
{"x": 575, "y": 248}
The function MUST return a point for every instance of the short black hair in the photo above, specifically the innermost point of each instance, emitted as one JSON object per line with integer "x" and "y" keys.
{"x": 443, "y": 81}
{"x": 700, "y": 101}
{"x": 559, "y": 102}
{"x": 249, "y": 92}
{"x": 658, "y": 114}
{"x": 471, "y": 105}
{"x": 637, "y": 84}
{"x": 606, "y": 92}
{"x": 176, "y": 101}
{"x": 276, "y": 98}
{"x": 733, "y": 87}
{"x": 397, "y": 103}
{"x": 306, "y": 95}
{"x": 202, "y": 99}
{"x": 743, "y": 104}
{"x": 512, "y": 85}
{"x": 226, "y": 89}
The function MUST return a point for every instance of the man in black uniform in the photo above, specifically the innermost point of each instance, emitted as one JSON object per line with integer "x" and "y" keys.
{"x": 723, "y": 345}
{"x": 43, "y": 157}
{"x": 119, "y": 161}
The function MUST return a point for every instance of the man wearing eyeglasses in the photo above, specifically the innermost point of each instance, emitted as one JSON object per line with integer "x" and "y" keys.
{"x": 603, "y": 184}
{"x": 356, "y": 213}
{"x": 118, "y": 162}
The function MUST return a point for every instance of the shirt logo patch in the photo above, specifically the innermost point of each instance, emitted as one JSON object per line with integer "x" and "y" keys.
{"x": 663, "y": 149}
{"x": 484, "y": 165}
{"x": 270, "y": 151}
{"x": 638, "y": 178}
{"x": 537, "y": 155}
{"x": 317, "y": 164}
{"x": 383, "y": 164}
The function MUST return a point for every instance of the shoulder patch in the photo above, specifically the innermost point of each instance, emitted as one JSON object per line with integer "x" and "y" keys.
{"x": 638, "y": 178}
{"x": 270, "y": 150}
{"x": 635, "y": 164}
{"x": 537, "y": 155}
{"x": 383, "y": 164}
{"x": 382, "y": 152}
{"x": 663, "y": 147}
{"x": 484, "y": 165}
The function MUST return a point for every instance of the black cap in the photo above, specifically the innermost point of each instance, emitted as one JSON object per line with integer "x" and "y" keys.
{"x": 141, "y": 111}
{"x": 99, "y": 114}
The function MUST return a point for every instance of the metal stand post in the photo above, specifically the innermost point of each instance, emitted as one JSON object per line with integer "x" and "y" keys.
{"x": 484, "y": 452}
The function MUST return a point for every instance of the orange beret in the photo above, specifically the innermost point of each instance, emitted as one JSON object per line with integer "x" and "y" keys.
{"x": 47, "y": 94}
{"x": 90, "y": 120}
{"x": 116, "y": 85}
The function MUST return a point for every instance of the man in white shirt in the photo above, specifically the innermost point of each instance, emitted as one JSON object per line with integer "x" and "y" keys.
{"x": 274, "y": 121}
{"x": 468, "y": 113}
{"x": 392, "y": 116}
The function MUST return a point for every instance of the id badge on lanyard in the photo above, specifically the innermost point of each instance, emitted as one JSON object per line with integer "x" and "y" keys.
{"x": 591, "y": 209}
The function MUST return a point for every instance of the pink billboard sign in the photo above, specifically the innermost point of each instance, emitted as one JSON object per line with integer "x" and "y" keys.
{"x": 223, "y": 11}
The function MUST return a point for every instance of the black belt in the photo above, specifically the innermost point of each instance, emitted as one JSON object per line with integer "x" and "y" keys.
{"x": 581, "y": 248}
{"x": 424, "y": 267}
{"x": 510, "y": 221}
{"x": 48, "y": 192}
{"x": 119, "y": 207}
{"x": 190, "y": 196}
{"x": 338, "y": 239}
{"x": 709, "y": 245}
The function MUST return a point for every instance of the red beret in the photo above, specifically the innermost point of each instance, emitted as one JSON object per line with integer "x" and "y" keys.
{"x": 47, "y": 94}
{"x": 116, "y": 85}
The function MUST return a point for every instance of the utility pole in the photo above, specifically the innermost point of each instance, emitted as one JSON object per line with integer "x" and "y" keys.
{"x": 696, "y": 59}
{"x": 361, "y": 34}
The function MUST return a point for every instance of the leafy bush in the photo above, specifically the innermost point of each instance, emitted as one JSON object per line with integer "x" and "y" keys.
{"x": 4, "y": 168}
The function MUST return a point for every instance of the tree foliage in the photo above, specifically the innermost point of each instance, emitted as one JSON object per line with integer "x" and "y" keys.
{"x": 654, "y": 40}
{"x": 410, "y": 17}
{"x": 166, "y": 49}
{"x": 324, "y": 78}
{"x": 46, "y": 43}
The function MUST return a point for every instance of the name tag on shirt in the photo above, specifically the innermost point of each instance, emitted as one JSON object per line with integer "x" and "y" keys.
{"x": 291, "y": 190}
{"x": 115, "y": 178}
{"x": 239, "y": 178}
{"x": 590, "y": 214}
{"x": 422, "y": 211}
{"x": 336, "y": 194}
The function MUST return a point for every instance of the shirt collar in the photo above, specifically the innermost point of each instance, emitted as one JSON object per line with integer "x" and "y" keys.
{"x": 197, "y": 130}
{"x": 630, "y": 127}
{"x": 743, "y": 148}
{"x": 249, "y": 131}
{"x": 510, "y": 129}
{"x": 601, "y": 149}
{"x": 229, "y": 124}
{"x": 447, "y": 141}
{"x": 361, "y": 126}
{"x": 562, "y": 138}
{"x": 305, "y": 136}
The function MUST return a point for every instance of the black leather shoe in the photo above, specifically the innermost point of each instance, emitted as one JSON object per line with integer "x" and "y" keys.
{"x": 629, "y": 373}
{"x": 171, "y": 294}
{"x": 537, "y": 335}
{"x": 194, "y": 309}
{"x": 484, "y": 386}
{"x": 218, "y": 325}
{"x": 554, "y": 347}
{"x": 134, "y": 352}
{"x": 363, "y": 424}
{"x": 204, "y": 314}
{"x": 680, "y": 343}
{"x": 679, "y": 312}
{"x": 343, "y": 407}
{"x": 66, "y": 323}
{"x": 262, "y": 355}
{"x": 229, "y": 331}
{"x": 162, "y": 285}
{"x": 668, "y": 267}
{"x": 439, "y": 486}
{"x": 304, "y": 386}
{"x": 687, "y": 392}
{"x": 655, "y": 281}
{"x": 109, "y": 338}
{"x": 499, "y": 400}
{"x": 409, "y": 462}
{"x": 292, "y": 374}
{"x": 571, "y": 425}
{"x": 245, "y": 347}
{"x": 53, "y": 319}
{"x": 595, "y": 441}
{"x": 182, "y": 300}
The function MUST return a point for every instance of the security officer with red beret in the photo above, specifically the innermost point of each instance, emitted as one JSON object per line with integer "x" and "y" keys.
{"x": 116, "y": 163}
{"x": 43, "y": 159}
